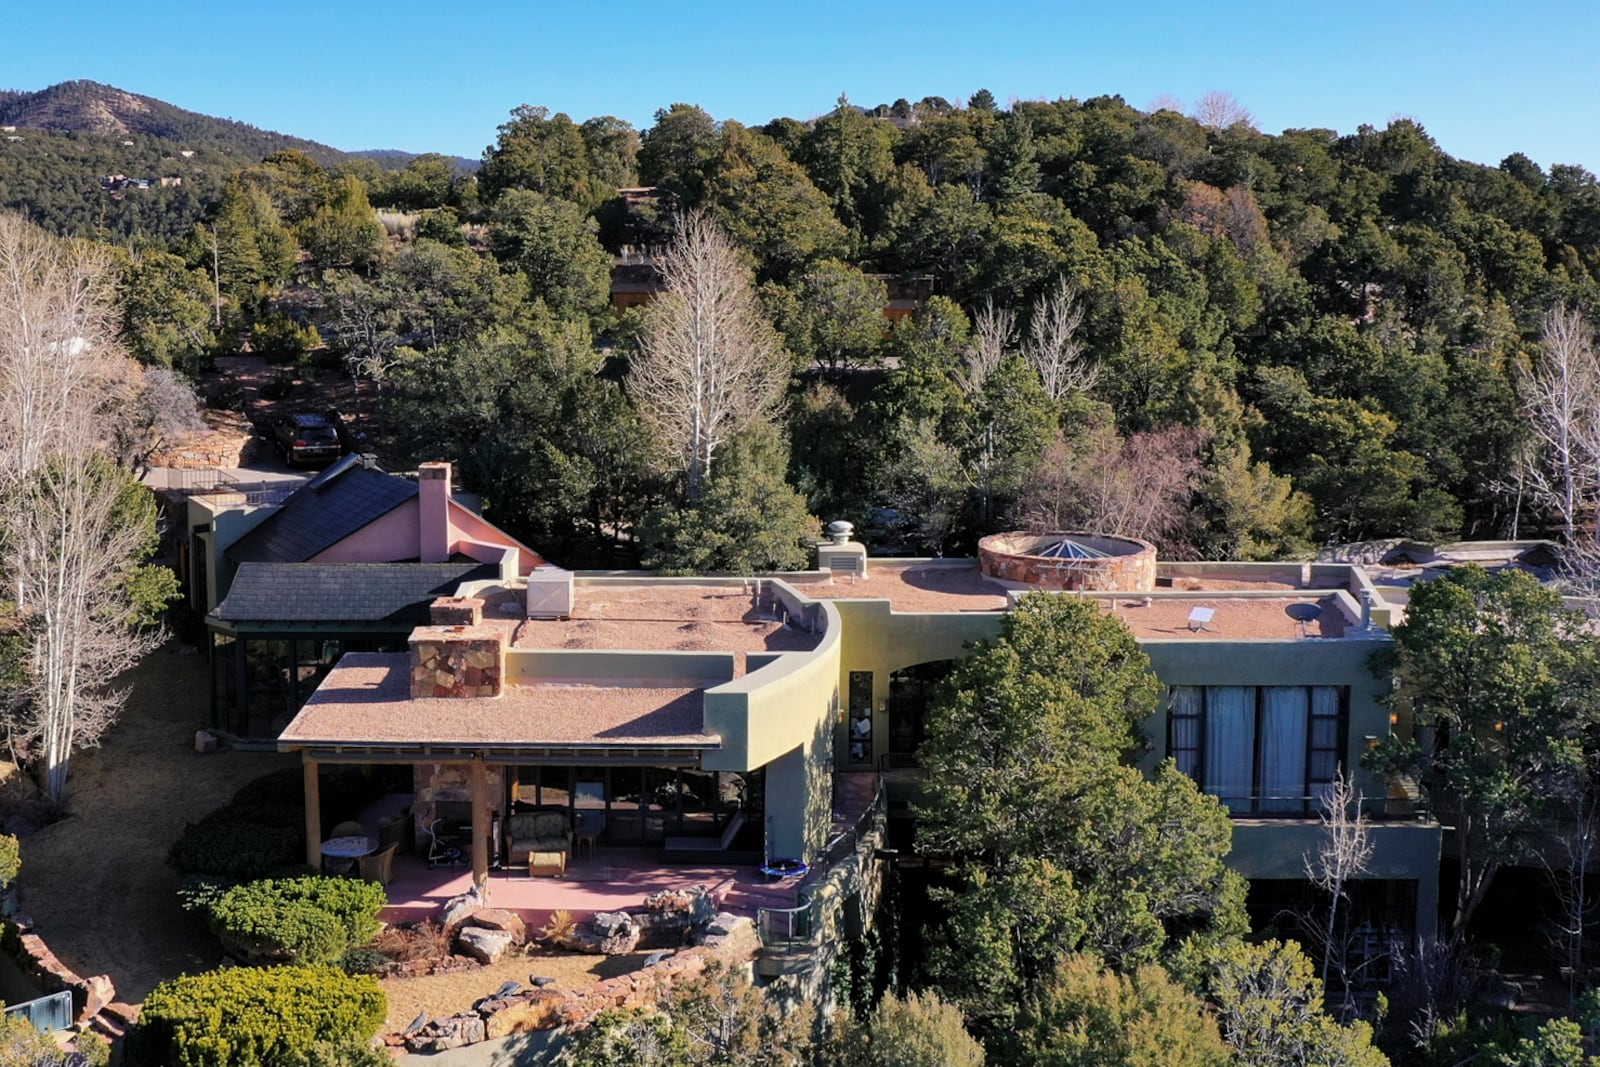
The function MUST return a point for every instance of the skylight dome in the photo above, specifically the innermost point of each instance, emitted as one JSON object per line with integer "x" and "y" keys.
{"x": 1067, "y": 548}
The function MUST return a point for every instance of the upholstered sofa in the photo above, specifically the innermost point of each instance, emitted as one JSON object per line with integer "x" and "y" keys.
{"x": 537, "y": 831}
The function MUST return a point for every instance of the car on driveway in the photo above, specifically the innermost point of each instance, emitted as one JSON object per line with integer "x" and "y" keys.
{"x": 303, "y": 439}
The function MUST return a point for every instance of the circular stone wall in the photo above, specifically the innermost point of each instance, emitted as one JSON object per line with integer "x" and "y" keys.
{"x": 1126, "y": 564}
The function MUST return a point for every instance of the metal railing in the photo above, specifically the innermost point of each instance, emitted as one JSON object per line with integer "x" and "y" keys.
{"x": 53, "y": 1012}
{"x": 788, "y": 927}
{"x": 802, "y": 924}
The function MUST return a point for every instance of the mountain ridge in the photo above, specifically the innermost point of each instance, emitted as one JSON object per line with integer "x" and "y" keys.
{"x": 85, "y": 106}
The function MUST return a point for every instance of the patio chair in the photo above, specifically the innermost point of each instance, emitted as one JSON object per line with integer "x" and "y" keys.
{"x": 378, "y": 867}
{"x": 447, "y": 840}
{"x": 349, "y": 828}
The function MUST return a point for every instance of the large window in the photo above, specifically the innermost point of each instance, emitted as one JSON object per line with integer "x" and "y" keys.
{"x": 1263, "y": 750}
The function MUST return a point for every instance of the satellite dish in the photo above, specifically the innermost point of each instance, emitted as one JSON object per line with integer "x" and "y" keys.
{"x": 1303, "y": 612}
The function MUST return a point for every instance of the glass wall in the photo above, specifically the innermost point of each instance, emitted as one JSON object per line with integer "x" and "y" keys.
{"x": 1261, "y": 750}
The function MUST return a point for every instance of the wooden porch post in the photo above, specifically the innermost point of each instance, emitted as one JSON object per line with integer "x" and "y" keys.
{"x": 313, "y": 813}
{"x": 479, "y": 777}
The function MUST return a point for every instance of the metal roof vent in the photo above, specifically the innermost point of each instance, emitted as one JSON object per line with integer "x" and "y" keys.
{"x": 839, "y": 531}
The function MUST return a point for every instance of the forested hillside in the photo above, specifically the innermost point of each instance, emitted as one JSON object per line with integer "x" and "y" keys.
{"x": 71, "y": 136}
{"x": 1235, "y": 343}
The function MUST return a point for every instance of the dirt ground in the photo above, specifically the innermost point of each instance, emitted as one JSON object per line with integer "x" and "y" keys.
{"x": 446, "y": 994}
{"x": 96, "y": 883}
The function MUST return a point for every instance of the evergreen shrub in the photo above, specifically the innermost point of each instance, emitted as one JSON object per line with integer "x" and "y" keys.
{"x": 248, "y": 1017}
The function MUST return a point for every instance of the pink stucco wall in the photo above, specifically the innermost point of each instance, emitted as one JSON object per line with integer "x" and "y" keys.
{"x": 397, "y": 536}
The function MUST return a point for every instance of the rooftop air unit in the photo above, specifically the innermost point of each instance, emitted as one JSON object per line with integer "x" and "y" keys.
{"x": 549, "y": 593}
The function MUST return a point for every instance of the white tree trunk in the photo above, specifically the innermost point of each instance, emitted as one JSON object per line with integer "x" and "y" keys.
{"x": 708, "y": 364}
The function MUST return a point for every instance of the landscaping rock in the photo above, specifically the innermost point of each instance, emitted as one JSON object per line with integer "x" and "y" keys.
{"x": 501, "y": 919}
{"x": 441, "y": 1035}
{"x": 610, "y": 933}
{"x": 205, "y": 742}
{"x": 457, "y": 910}
{"x": 485, "y": 946}
{"x": 98, "y": 992}
{"x": 663, "y": 929}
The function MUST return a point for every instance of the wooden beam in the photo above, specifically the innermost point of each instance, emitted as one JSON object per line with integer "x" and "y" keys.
{"x": 313, "y": 814}
{"x": 479, "y": 777}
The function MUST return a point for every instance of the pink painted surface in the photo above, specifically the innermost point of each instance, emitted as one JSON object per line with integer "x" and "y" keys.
{"x": 470, "y": 527}
{"x": 397, "y": 536}
{"x": 612, "y": 879}
{"x": 388, "y": 539}
{"x": 433, "y": 496}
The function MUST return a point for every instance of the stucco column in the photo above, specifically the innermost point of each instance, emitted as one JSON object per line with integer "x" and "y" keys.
{"x": 478, "y": 775}
{"x": 313, "y": 812}
{"x": 786, "y": 801}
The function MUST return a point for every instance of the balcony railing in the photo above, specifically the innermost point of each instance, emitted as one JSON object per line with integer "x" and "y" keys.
{"x": 53, "y": 1012}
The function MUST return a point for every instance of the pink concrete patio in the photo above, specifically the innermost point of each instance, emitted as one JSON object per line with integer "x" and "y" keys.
{"x": 612, "y": 879}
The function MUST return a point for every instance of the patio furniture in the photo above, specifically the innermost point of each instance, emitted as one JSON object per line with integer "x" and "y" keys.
{"x": 551, "y": 863}
{"x": 591, "y": 824}
{"x": 528, "y": 832}
{"x": 446, "y": 839}
{"x": 378, "y": 867}
{"x": 339, "y": 854}
{"x": 348, "y": 828}
{"x": 399, "y": 830}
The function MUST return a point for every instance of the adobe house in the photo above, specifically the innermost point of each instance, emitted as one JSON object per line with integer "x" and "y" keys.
{"x": 659, "y": 706}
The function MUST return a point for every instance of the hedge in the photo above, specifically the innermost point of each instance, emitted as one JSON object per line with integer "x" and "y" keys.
{"x": 247, "y": 1017}
{"x": 10, "y": 859}
{"x": 305, "y": 920}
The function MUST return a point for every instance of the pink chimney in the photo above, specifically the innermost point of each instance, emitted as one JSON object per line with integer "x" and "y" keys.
{"x": 436, "y": 535}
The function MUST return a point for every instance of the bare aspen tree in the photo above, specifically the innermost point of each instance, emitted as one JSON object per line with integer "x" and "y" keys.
{"x": 74, "y": 527}
{"x": 708, "y": 364}
{"x": 992, "y": 332}
{"x": 73, "y": 531}
{"x": 1561, "y": 400}
{"x": 1344, "y": 854}
{"x": 1052, "y": 346}
{"x": 58, "y": 345}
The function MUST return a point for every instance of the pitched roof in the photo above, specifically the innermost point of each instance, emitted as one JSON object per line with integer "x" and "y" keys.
{"x": 397, "y": 593}
{"x": 324, "y": 511}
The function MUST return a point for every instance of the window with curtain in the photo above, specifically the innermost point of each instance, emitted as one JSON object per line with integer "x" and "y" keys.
{"x": 1268, "y": 750}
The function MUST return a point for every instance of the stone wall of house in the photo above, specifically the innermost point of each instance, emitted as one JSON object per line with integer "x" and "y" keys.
{"x": 457, "y": 661}
{"x": 1009, "y": 557}
{"x": 433, "y": 782}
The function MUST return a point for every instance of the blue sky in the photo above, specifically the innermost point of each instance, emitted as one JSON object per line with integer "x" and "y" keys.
{"x": 1485, "y": 79}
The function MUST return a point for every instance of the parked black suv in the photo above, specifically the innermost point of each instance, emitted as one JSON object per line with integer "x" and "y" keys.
{"x": 305, "y": 439}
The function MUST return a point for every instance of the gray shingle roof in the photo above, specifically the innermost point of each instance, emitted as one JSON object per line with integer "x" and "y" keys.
{"x": 397, "y": 593}
{"x": 324, "y": 511}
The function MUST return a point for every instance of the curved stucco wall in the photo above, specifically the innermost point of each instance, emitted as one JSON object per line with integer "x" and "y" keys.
{"x": 1128, "y": 566}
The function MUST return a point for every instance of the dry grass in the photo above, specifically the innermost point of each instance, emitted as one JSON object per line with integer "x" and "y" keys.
{"x": 446, "y": 994}
{"x": 97, "y": 883}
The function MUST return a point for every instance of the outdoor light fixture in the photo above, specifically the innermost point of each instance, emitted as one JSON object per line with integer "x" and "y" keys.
{"x": 1394, "y": 718}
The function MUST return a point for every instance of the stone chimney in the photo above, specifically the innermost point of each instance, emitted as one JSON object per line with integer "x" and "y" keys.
{"x": 433, "y": 512}
{"x": 457, "y": 661}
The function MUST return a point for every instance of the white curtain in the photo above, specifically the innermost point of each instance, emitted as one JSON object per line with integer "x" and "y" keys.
{"x": 1230, "y": 744}
{"x": 1285, "y": 712}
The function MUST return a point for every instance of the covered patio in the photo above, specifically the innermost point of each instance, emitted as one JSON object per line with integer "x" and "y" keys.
{"x": 612, "y": 879}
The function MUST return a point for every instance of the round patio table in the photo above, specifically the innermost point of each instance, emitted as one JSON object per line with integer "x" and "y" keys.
{"x": 346, "y": 848}
{"x": 339, "y": 854}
